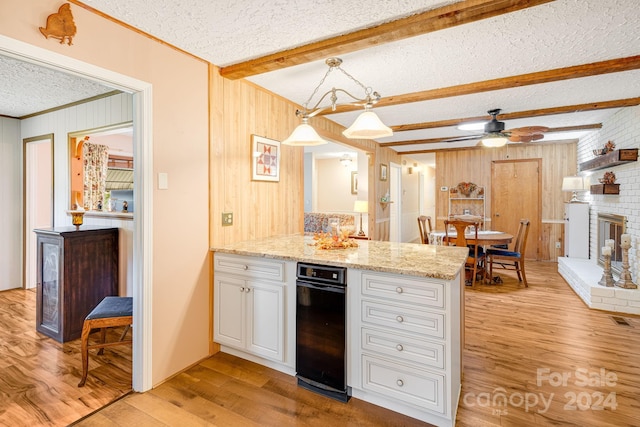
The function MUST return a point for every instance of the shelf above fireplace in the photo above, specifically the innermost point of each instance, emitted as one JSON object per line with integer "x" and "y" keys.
{"x": 614, "y": 158}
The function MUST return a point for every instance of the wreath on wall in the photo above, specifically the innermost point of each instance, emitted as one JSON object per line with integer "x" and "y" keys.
{"x": 467, "y": 188}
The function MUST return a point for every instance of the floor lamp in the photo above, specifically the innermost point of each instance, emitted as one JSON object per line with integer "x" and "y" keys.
{"x": 361, "y": 206}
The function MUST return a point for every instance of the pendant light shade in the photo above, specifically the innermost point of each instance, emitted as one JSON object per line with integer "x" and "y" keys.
{"x": 304, "y": 135}
{"x": 494, "y": 140}
{"x": 367, "y": 126}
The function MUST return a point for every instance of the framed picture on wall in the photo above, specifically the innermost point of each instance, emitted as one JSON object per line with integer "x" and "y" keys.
{"x": 354, "y": 182}
{"x": 383, "y": 172}
{"x": 265, "y": 159}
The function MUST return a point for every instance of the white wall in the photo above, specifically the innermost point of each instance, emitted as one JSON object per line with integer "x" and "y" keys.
{"x": 10, "y": 204}
{"x": 623, "y": 128}
{"x": 100, "y": 113}
{"x": 334, "y": 186}
{"x": 411, "y": 199}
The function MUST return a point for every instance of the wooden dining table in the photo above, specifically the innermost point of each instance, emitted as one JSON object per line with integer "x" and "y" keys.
{"x": 485, "y": 237}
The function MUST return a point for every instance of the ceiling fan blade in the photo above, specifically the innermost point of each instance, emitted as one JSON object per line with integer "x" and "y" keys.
{"x": 462, "y": 138}
{"x": 528, "y": 130}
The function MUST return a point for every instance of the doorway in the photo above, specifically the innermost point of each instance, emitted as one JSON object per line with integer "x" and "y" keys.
{"x": 143, "y": 147}
{"x": 38, "y": 198}
{"x": 516, "y": 193}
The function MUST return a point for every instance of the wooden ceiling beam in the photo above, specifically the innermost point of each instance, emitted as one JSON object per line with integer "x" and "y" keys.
{"x": 558, "y": 74}
{"x": 618, "y": 103}
{"x": 441, "y": 18}
{"x": 472, "y": 137}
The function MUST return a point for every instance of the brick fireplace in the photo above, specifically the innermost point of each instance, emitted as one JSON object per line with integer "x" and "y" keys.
{"x": 583, "y": 274}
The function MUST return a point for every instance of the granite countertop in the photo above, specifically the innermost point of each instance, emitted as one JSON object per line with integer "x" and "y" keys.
{"x": 441, "y": 262}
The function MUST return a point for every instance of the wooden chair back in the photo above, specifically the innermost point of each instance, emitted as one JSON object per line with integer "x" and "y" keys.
{"x": 521, "y": 239}
{"x": 461, "y": 228}
{"x": 424, "y": 225}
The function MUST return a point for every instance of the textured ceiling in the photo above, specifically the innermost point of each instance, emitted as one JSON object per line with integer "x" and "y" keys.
{"x": 559, "y": 34}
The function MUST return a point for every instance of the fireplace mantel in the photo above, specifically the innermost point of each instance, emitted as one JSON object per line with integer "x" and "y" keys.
{"x": 613, "y": 158}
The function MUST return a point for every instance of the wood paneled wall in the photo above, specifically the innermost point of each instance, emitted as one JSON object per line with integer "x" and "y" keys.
{"x": 474, "y": 165}
{"x": 239, "y": 109}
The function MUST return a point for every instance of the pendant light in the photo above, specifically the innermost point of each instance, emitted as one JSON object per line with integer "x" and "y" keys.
{"x": 367, "y": 126}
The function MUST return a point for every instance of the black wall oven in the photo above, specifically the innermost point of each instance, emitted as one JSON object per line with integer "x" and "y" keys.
{"x": 321, "y": 330}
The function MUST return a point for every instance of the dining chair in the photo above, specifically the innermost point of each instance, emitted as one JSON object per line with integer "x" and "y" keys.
{"x": 514, "y": 259}
{"x": 475, "y": 260}
{"x": 424, "y": 225}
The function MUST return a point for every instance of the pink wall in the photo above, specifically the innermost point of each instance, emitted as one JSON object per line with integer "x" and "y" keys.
{"x": 180, "y": 148}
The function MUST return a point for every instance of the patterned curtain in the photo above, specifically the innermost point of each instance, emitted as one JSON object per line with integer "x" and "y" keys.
{"x": 95, "y": 173}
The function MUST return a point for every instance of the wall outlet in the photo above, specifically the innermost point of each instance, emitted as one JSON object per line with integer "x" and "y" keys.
{"x": 557, "y": 245}
{"x": 227, "y": 219}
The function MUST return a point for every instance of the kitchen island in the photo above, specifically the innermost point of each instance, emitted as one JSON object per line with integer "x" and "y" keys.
{"x": 404, "y": 316}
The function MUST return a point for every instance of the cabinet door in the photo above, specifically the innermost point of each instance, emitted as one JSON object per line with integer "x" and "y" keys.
{"x": 229, "y": 311}
{"x": 265, "y": 307}
{"x": 49, "y": 287}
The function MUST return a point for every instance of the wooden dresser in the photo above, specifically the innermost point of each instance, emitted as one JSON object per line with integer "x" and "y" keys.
{"x": 76, "y": 269}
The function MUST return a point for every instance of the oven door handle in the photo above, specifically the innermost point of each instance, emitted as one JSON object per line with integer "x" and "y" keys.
{"x": 321, "y": 286}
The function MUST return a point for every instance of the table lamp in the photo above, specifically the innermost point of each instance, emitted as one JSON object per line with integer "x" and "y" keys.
{"x": 573, "y": 184}
{"x": 361, "y": 206}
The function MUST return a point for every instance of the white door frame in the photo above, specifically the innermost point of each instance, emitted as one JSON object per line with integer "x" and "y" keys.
{"x": 34, "y": 200}
{"x": 395, "y": 195}
{"x": 143, "y": 176}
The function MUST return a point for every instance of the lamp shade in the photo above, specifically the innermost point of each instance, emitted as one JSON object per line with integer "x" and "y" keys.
{"x": 367, "y": 126}
{"x": 572, "y": 183}
{"x": 304, "y": 135}
{"x": 361, "y": 206}
{"x": 494, "y": 140}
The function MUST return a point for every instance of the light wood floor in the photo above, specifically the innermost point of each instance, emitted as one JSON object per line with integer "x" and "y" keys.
{"x": 39, "y": 376}
{"x": 512, "y": 332}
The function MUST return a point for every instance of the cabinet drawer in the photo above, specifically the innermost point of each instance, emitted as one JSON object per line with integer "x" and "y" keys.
{"x": 415, "y": 386}
{"x": 249, "y": 266}
{"x": 403, "y": 347}
{"x": 404, "y": 318}
{"x": 404, "y": 289}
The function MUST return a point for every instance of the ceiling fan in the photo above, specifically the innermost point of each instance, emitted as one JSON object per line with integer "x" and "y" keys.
{"x": 495, "y": 135}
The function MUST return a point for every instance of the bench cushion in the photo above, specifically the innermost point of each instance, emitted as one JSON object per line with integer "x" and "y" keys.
{"x": 112, "y": 307}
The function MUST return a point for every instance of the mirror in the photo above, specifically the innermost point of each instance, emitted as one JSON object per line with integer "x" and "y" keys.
{"x": 101, "y": 168}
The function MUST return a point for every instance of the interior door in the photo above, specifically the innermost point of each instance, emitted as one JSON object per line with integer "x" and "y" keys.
{"x": 38, "y": 198}
{"x": 516, "y": 194}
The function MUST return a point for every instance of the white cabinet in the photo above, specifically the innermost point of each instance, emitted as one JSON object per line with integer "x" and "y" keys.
{"x": 249, "y": 310}
{"x": 576, "y": 230}
{"x": 407, "y": 349}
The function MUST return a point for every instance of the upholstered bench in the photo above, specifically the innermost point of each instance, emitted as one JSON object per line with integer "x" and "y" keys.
{"x": 110, "y": 312}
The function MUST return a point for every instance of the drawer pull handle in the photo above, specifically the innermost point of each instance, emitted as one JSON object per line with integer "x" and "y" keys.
{"x": 245, "y": 267}
{"x": 400, "y": 383}
{"x": 399, "y": 347}
{"x": 399, "y": 290}
{"x": 399, "y": 319}
{"x": 242, "y": 289}
{"x": 247, "y": 290}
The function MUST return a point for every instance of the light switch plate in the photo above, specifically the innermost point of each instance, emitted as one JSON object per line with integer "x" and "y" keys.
{"x": 227, "y": 219}
{"x": 163, "y": 181}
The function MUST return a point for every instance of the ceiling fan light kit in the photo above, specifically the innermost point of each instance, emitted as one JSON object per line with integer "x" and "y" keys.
{"x": 494, "y": 140}
{"x": 367, "y": 126}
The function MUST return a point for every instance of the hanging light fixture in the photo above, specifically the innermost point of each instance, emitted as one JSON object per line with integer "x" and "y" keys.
{"x": 346, "y": 160}
{"x": 494, "y": 136}
{"x": 366, "y": 126}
